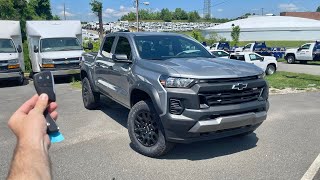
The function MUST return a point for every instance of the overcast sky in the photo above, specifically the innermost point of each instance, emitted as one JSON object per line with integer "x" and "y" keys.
{"x": 114, "y": 9}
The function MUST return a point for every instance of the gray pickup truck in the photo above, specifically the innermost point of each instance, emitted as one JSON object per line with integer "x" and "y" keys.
{"x": 177, "y": 92}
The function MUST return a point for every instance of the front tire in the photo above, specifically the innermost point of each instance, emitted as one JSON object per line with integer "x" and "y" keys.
{"x": 90, "y": 99}
{"x": 146, "y": 131}
{"x": 271, "y": 69}
{"x": 291, "y": 59}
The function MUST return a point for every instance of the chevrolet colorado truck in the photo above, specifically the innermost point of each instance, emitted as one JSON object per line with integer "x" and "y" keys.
{"x": 176, "y": 90}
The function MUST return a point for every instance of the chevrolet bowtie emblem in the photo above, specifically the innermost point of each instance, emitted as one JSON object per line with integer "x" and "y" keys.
{"x": 239, "y": 86}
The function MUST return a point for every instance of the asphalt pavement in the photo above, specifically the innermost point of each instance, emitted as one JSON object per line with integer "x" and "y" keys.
{"x": 299, "y": 68}
{"x": 97, "y": 144}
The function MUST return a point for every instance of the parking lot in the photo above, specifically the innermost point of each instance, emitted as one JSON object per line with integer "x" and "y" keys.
{"x": 97, "y": 145}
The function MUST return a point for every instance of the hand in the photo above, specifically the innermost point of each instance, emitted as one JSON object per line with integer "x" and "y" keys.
{"x": 29, "y": 124}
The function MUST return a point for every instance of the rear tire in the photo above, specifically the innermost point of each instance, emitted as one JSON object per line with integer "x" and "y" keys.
{"x": 291, "y": 59}
{"x": 146, "y": 131}
{"x": 90, "y": 99}
{"x": 271, "y": 69}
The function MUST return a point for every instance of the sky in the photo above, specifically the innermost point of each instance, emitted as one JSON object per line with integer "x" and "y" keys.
{"x": 114, "y": 9}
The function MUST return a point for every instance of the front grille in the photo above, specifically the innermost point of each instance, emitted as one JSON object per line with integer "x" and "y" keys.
{"x": 225, "y": 80}
{"x": 230, "y": 97}
{"x": 3, "y": 68}
{"x": 66, "y": 59}
{"x": 67, "y": 66}
{"x": 176, "y": 107}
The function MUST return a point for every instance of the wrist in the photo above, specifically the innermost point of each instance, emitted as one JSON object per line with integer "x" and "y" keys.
{"x": 32, "y": 145}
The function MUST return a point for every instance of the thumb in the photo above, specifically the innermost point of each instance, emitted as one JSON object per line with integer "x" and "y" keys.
{"x": 42, "y": 103}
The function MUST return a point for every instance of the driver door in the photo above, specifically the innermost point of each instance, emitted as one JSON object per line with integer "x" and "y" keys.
{"x": 304, "y": 51}
{"x": 258, "y": 61}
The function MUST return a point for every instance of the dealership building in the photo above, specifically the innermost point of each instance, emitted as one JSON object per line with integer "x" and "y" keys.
{"x": 269, "y": 28}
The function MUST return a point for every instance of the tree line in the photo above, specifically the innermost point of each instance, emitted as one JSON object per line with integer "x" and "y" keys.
{"x": 166, "y": 15}
{"x": 21, "y": 10}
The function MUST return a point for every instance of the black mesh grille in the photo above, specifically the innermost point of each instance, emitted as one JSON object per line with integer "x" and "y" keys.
{"x": 176, "y": 106}
{"x": 68, "y": 59}
{"x": 3, "y": 68}
{"x": 230, "y": 97}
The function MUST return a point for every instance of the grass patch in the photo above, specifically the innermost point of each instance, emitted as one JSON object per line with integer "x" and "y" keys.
{"x": 282, "y": 80}
{"x": 76, "y": 84}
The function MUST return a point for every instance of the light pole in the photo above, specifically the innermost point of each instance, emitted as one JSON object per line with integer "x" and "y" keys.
{"x": 137, "y": 12}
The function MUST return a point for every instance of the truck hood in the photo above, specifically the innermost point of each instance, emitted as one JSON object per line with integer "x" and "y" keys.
{"x": 8, "y": 56}
{"x": 209, "y": 68}
{"x": 61, "y": 54}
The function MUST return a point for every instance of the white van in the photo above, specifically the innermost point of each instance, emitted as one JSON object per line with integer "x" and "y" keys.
{"x": 11, "y": 53}
{"x": 55, "y": 46}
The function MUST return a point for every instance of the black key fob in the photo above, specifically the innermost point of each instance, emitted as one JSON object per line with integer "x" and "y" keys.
{"x": 44, "y": 83}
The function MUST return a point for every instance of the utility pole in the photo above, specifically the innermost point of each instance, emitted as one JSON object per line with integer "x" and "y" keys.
{"x": 262, "y": 13}
{"x": 64, "y": 10}
{"x": 137, "y": 13}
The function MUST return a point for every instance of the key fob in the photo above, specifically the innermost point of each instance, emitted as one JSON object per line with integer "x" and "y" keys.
{"x": 44, "y": 83}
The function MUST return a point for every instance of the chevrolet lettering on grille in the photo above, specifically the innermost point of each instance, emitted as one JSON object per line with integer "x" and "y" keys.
{"x": 239, "y": 86}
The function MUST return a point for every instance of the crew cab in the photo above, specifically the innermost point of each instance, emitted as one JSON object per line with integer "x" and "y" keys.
{"x": 257, "y": 47}
{"x": 303, "y": 54}
{"x": 177, "y": 92}
{"x": 267, "y": 63}
{"x": 220, "y": 46}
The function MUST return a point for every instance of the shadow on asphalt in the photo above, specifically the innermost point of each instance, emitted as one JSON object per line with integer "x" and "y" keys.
{"x": 7, "y": 83}
{"x": 195, "y": 151}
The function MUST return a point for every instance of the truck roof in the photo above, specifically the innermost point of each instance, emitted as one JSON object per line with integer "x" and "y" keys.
{"x": 51, "y": 29}
{"x": 12, "y": 28}
{"x": 148, "y": 34}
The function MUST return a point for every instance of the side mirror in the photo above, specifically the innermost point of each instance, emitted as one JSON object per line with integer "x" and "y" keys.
{"x": 299, "y": 49}
{"x": 35, "y": 49}
{"x": 90, "y": 46}
{"x": 262, "y": 59}
{"x": 120, "y": 58}
{"x": 19, "y": 49}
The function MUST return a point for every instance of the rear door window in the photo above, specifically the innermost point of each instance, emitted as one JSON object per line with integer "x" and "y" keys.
{"x": 238, "y": 57}
{"x": 107, "y": 46}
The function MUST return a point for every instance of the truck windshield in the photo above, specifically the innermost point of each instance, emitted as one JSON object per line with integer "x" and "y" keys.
{"x": 7, "y": 46}
{"x": 163, "y": 47}
{"x": 60, "y": 44}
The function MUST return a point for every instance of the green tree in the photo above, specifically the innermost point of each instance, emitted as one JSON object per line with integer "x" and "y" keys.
{"x": 96, "y": 7}
{"x": 197, "y": 35}
{"x": 42, "y": 8}
{"x": 56, "y": 17}
{"x": 180, "y": 14}
{"x": 318, "y": 9}
{"x": 7, "y": 10}
{"x": 193, "y": 16}
{"x": 235, "y": 35}
{"x": 166, "y": 15}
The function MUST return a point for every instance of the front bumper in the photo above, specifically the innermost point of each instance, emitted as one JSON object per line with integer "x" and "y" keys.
{"x": 57, "y": 72}
{"x": 11, "y": 75}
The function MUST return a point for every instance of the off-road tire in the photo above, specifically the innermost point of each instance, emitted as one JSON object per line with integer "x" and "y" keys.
{"x": 291, "y": 59}
{"x": 138, "y": 128}
{"x": 90, "y": 99}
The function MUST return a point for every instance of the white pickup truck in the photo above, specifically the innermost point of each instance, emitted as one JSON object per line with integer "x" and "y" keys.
{"x": 266, "y": 63}
{"x": 303, "y": 54}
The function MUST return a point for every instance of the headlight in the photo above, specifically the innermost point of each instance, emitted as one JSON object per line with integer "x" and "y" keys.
{"x": 47, "y": 61}
{"x": 172, "y": 82}
{"x": 13, "y": 61}
{"x": 262, "y": 76}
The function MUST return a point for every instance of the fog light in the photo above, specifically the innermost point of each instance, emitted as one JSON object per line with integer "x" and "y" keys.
{"x": 48, "y": 65}
{"x": 16, "y": 66}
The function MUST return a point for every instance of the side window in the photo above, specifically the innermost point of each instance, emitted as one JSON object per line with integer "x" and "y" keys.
{"x": 306, "y": 46}
{"x": 107, "y": 46}
{"x": 254, "y": 57}
{"x": 123, "y": 47}
{"x": 247, "y": 46}
{"x": 237, "y": 57}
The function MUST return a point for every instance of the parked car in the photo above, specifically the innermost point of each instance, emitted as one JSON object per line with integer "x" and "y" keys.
{"x": 220, "y": 53}
{"x": 11, "y": 54}
{"x": 258, "y": 47}
{"x": 177, "y": 92}
{"x": 303, "y": 54}
{"x": 267, "y": 63}
{"x": 55, "y": 46}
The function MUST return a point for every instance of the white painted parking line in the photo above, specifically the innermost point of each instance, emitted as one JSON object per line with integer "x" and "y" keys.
{"x": 313, "y": 169}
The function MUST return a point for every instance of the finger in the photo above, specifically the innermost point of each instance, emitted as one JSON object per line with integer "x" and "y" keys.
{"x": 42, "y": 103}
{"x": 54, "y": 115}
{"x": 52, "y": 107}
{"x": 29, "y": 105}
